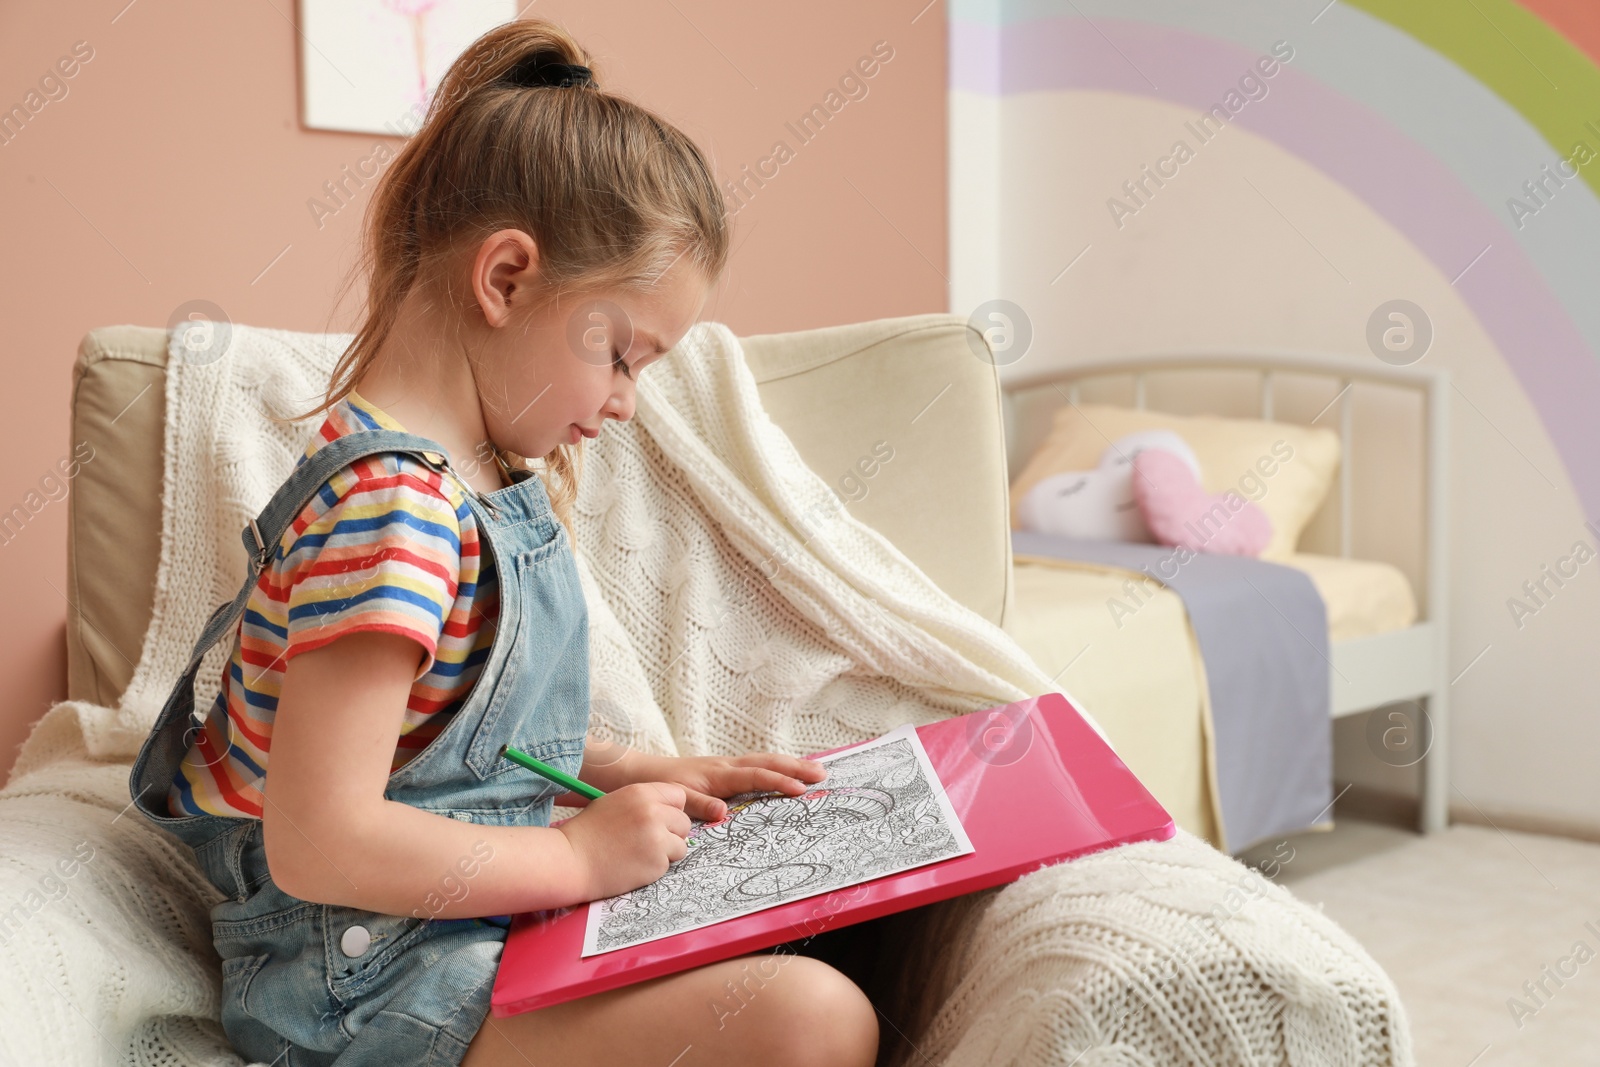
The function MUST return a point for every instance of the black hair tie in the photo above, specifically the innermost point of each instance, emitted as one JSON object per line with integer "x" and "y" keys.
{"x": 539, "y": 71}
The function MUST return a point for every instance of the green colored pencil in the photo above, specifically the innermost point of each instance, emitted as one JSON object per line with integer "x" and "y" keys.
{"x": 559, "y": 777}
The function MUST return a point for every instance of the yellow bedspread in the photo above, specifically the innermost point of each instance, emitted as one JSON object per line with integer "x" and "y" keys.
{"x": 1139, "y": 675}
{"x": 1139, "y": 672}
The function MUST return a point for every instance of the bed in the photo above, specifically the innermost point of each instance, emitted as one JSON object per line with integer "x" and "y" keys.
{"x": 1387, "y": 640}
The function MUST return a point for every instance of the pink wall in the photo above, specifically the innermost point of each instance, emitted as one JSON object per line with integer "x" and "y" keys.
{"x": 174, "y": 168}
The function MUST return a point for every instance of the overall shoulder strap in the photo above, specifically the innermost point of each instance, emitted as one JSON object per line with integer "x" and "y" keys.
{"x": 263, "y": 533}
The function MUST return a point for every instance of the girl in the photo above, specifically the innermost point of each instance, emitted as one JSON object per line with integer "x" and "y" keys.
{"x": 413, "y": 607}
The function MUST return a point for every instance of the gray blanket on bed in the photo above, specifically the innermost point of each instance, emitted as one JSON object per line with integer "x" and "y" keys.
{"x": 1263, "y": 635}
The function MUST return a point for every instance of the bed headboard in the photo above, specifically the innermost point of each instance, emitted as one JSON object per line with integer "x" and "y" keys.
{"x": 1404, "y": 476}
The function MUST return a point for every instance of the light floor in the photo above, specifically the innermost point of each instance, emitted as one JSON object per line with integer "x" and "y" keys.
{"x": 1461, "y": 920}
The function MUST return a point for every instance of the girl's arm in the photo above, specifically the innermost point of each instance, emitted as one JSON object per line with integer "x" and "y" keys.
{"x": 330, "y": 835}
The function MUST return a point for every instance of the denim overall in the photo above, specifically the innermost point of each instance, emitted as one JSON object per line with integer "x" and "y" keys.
{"x": 316, "y": 984}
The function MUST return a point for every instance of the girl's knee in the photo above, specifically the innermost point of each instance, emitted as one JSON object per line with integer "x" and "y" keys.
{"x": 823, "y": 1017}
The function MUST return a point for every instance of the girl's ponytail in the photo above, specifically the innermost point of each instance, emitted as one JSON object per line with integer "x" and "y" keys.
{"x": 507, "y": 57}
{"x": 515, "y": 138}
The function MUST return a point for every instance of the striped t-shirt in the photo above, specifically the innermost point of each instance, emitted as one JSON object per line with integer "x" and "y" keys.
{"x": 387, "y": 544}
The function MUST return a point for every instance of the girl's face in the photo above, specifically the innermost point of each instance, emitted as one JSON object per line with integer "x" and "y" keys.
{"x": 553, "y": 375}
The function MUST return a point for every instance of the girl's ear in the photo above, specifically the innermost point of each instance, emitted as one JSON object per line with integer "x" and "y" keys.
{"x": 505, "y": 271}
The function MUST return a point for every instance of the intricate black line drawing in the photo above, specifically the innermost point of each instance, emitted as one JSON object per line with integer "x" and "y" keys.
{"x": 881, "y": 810}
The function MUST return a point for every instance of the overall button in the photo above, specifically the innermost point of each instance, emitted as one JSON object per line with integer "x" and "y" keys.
{"x": 355, "y": 942}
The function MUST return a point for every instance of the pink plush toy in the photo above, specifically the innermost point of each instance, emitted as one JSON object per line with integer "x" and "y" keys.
{"x": 1178, "y": 511}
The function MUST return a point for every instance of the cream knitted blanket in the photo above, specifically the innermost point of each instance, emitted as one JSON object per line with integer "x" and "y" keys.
{"x": 724, "y": 617}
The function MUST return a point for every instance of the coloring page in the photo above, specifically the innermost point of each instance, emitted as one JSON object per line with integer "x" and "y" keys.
{"x": 880, "y": 810}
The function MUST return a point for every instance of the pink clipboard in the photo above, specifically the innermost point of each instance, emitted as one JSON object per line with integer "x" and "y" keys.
{"x": 1031, "y": 782}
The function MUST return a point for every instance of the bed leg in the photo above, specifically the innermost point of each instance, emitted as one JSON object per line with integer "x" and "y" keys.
{"x": 1434, "y": 810}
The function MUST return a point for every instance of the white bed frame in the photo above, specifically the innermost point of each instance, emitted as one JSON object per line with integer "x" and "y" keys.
{"x": 1368, "y": 672}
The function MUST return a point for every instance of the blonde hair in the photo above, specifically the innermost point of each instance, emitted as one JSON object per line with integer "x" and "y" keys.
{"x": 612, "y": 194}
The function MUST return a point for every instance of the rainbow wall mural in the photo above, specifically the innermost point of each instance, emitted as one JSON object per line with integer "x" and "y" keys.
{"x": 1461, "y": 124}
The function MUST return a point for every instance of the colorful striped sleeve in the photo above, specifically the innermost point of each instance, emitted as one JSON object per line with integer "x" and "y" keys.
{"x": 383, "y": 554}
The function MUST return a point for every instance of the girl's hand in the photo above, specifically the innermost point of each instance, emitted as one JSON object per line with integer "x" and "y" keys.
{"x": 706, "y": 778}
{"x": 627, "y": 838}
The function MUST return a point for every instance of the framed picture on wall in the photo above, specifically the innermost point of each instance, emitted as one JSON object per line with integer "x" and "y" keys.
{"x": 371, "y": 66}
